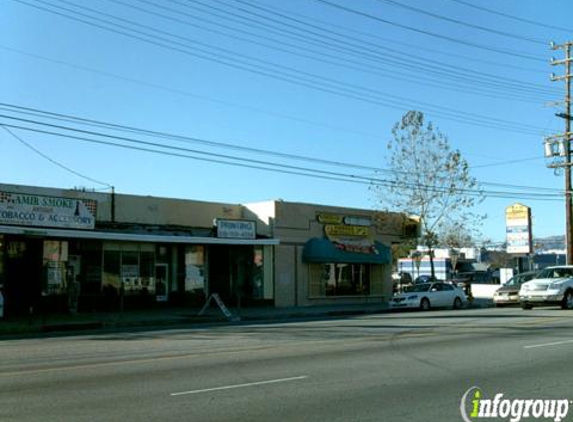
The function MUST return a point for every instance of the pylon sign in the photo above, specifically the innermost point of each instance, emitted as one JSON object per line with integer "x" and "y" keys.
{"x": 518, "y": 229}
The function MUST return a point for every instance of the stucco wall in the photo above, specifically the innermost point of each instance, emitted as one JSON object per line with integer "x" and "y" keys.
{"x": 285, "y": 279}
{"x": 154, "y": 210}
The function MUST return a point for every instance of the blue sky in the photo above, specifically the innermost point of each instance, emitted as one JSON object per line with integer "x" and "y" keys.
{"x": 319, "y": 79}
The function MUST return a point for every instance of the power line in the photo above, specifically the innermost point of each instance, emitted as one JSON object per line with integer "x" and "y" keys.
{"x": 51, "y": 160}
{"x": 180, "y": 138}
{"x": 320, "y": 174}
{"x": 300, "y": 78}
{"x": 396, "y": 56}
{"x": 432, "y": 34}
{"x": 493, "y": 91}
{"x": 516, "y": 18}
{"x": 250, "y": 163}
{"x": 185, "y": 93}
{"x": 424, "y": 48}
{"x": 457, "y": 21}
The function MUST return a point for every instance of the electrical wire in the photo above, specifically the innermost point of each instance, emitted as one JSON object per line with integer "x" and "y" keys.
{"x": 156, "y": 134}
{"x": 165, "y": 88}
{"x": 485, "y": 90}
{"x": 432, "y": 34}
{"x": 513, "y": 17}
{"x": 253, "y": 164}
{"x": 51, "y": 160}
{"x": 301, "y": 78}
{"x": 466, "y": 24}
{"x": 361, "y": 46}
{"x": 394, "y": 41}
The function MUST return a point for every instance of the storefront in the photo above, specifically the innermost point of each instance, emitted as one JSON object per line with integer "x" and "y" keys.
{"x": 51, "y": 263}
{"x": 332, "y": 255}
{"x": 68, "y": 251}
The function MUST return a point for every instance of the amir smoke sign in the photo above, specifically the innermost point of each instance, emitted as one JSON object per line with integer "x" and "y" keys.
{"x": 46, "y": 211}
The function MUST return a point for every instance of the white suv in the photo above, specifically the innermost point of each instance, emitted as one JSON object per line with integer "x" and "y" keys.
{"x": 553, "y": 285}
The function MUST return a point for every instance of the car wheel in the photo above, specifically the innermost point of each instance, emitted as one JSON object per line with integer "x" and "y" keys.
{"x": 457, "y": 303}
{"x": 567, "y": 302}
{"x": 425, "y": 304}
{"x": 526, "y": 306}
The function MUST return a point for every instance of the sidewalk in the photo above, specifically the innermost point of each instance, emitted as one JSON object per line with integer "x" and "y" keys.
{"x": 168, "y": 316}
{"x": 178, "y": 316}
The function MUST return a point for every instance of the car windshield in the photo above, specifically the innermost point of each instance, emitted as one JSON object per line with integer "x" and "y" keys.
{"x": 420, "y": 288}
{"x": 555, "y": 273}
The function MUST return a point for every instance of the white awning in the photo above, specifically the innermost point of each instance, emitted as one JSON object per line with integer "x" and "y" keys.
{"x": 130, "y": 237}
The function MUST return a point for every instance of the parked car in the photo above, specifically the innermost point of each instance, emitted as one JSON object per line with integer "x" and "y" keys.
{"x": 508, "y": 294}
{"x": 401, "y": 280}
{"x": 425, "y": 279}
{"x": 427, "y": 295}
{"x": 551, "y": 286}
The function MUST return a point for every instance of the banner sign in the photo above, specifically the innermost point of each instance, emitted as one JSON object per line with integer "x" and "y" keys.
{"x": 47, "y": 211}
{"x": 236, "y": 229}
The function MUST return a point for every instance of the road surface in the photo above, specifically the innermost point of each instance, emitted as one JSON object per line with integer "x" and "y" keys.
{"x": 408, "y": 366}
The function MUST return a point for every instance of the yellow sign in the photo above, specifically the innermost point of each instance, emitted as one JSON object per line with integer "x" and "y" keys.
{"x": 354, "y": 231}
{"x": 329, "y": 218}
{"x": 517, "y": 212}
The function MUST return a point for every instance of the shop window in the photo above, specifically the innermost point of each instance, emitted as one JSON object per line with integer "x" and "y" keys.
{"x": 55, "y": 255}
{"x": 146, "y": 271}
{"x": 2, "y": 257}
{"x": 194, "y": 268}
{"x": 346, "y": 279}
{"x": 111, "y": 264}
{"x": 258, "y": 282}
{"x": 131, "y": 267}
{"x": 92, "y": 268}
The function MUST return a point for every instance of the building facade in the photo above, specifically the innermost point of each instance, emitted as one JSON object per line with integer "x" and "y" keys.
{"x": 64, "y": 250}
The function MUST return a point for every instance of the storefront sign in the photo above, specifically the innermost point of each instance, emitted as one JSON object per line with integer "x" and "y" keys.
{"x": 353, "y": 231}
{"x": 46, "y": 211}
{"x": 518, "y": 229}
{"x": 236, "y": 229}
{"x": 329, "y": 218}
{"x": 358, "y": 221}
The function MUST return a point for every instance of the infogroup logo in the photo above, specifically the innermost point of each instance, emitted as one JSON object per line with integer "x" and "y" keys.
{"x": 474, "y": 406}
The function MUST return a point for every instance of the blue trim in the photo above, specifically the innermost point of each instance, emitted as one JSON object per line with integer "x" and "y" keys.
{"x": 324, "y": 251}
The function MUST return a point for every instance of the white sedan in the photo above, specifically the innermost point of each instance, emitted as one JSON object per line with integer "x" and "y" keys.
{"x": 427, "y": 295}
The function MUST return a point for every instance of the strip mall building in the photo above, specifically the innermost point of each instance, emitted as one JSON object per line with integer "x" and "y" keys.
{"x": 142, "y": 250}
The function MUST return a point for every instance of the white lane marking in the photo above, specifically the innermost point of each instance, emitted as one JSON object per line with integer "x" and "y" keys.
{"x": 556, "y": 343}
{"x": 250, "y": 384}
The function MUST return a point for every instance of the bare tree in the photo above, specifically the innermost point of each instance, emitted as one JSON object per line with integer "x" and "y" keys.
{"x": 428, "y": 179}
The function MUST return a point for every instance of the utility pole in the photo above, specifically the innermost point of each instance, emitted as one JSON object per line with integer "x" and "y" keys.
{"x": 558, "y": 147}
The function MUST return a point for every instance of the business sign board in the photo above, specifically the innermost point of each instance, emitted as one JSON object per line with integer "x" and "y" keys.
{"x": 236, "y": 229}
{"x": 47, "y": 211}
{"x": 518, "y": 229}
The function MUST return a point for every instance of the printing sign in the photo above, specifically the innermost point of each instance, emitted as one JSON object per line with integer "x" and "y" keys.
{"x": 236, "y": 229}
{"x": 46, "y": 211}
{"x": 518, "y": 229}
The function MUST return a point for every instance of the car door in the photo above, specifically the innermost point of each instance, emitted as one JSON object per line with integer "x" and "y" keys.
{"x": 449, "y": 294}
{"x": 437, "y": 295}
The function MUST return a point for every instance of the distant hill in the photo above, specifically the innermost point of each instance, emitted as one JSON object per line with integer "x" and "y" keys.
{"x": 549, "y": 243}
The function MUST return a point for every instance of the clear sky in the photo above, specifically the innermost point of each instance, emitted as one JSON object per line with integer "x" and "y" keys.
{"x": 321, "y": 79}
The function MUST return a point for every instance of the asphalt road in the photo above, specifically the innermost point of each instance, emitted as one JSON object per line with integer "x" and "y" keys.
{"x": 408, "y": 366}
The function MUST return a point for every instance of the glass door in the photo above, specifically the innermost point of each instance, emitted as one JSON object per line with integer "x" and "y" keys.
{"x": 161, "y": 282}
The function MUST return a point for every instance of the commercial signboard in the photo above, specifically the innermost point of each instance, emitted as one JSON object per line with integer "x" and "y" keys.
{"x": 236, "y": 229}
{"x": 518, "y": 229}
{"x": 47, "y": 211}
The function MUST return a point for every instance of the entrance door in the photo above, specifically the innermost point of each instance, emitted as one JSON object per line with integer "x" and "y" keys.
{"x": 161, "y": 282}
